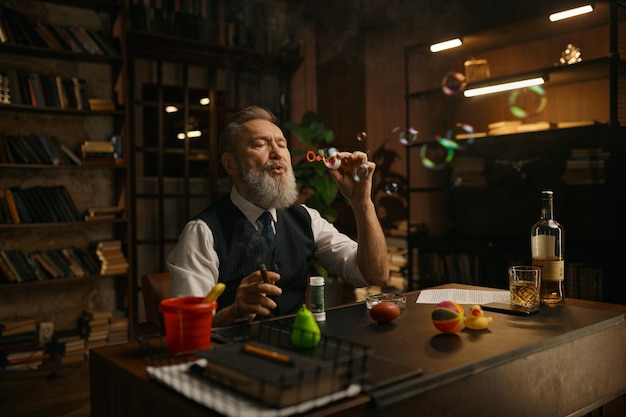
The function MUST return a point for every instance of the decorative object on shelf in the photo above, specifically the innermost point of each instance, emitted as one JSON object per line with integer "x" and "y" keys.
{"x": 476, "y": 69}
{"x": 518, "y": 165}
{"x": 571, "y": 55}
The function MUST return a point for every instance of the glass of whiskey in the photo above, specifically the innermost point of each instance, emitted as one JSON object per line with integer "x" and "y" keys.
{"x": 524, "y": 284}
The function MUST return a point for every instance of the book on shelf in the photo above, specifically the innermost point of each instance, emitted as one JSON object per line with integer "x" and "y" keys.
{"x": 85, "y": 40}
{"x": 9, "y": 273}
{"x": 468, "y": 171}
{"x": 503, "y": 127}
{"x": 71, "y": 155}
{"x": 101, "y": 104}
{"x": 10, "y": 327}
{"x": 5, "y": 88}
{"x": 47, "y": 265}
{"x": 10, "y": 200}
{"x": 586, "y": 166}
{"x": 112, "y": 259}
{"x": 57, "y": 259}
{"x": 103, "y": 213}
{"x": 69, "y": 345}
{"x": 118, "y": 330}
{"x": 41, "y": 204}
{"x": 25, "y": 359}
{"x": 21, "y": 29}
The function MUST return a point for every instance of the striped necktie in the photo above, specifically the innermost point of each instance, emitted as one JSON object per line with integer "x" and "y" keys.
{"x": 268, "y": 231}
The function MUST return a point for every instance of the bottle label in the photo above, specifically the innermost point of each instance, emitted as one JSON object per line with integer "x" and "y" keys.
{"x": 553, "y": 271}
{"x": 543, "y": 246}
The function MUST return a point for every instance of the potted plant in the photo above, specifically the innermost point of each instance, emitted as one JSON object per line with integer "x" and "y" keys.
{"x": 319, "y": 191}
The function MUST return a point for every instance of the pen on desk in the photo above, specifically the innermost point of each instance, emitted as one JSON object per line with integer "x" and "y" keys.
{"x": 263, "y": 270}
{"x": 267, "y": 354}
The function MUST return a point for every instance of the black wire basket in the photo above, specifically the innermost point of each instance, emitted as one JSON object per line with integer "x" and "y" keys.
{"x": 255, "y": 368}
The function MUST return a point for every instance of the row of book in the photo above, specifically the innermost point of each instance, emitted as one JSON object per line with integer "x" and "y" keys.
{"x": 17, "y": 266}
{"x": 468, "y": 171}
{"x": 35, "y": 149}
{"x": 435, "y": 267}
{"x": 25, "y": 344}
{"x": 102, "y": 328}
{"x": 17, "y": 28}
{"x": 102, "y": 152}
{"x": 584, "y": 281}
{"x": 260, "y": 25}
{"x": 38, "y": 204}
{"x": 20, "y": 347}
{"x": 112, "y": 258}
{"x": 397, "y": 248}
{"x": 586, "y": 166}
{"x": 20, "y": 86}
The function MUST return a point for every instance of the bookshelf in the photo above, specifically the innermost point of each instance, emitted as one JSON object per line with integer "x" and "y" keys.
{"x": 186, "y": 80}
{"x": 565, "y": 136}
{"x": 60, "y": 65}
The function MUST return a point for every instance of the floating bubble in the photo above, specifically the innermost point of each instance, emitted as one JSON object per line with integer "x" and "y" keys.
{"x": 361, "y": 136}
{"x": 391, "y": 188}
{"x": 361, "y": 172}
{"x": 453, "y": 83}
{"x": 408, "y": 137}
{"x": 331, "y": 158}
{"x": 436, "y": 155}
{"x": 527, "y": 101}
{"x": 461, "y": 136}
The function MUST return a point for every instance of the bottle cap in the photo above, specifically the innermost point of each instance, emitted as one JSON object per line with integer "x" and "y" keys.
{"x": 320, "y": 316}
{"x": 316, "y": 280}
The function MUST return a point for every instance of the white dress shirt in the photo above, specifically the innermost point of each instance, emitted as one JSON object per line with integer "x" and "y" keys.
{"x": 194, "y": 264}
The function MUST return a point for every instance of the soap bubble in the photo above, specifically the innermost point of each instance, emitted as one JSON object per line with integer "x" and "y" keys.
{"x": 453, "y": 83}
{"x": 462, "y": 135}
{"x": 436, "y": 155}
{"x": 361, "y": 136}
{"x": 408, "y": 137}
{"x": 391, "y": 188}
{"x": 331, "y": 159}
{"x": 361, "y": 172}
{"x": 527, "y": 101}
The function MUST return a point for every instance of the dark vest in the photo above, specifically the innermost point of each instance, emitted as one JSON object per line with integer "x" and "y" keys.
{"x": 241, "y": 249}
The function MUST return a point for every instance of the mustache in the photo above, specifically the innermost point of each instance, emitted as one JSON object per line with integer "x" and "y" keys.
{"x": 274, "y": 163}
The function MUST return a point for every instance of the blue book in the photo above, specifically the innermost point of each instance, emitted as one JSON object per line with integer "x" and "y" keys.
{"x": 48, "y": 148}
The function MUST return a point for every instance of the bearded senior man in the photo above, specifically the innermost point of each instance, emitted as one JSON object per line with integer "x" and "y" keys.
{"x": 227, "y": 242}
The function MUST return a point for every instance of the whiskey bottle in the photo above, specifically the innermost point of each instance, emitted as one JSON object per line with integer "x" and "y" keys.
{"x": 546, "y": 243}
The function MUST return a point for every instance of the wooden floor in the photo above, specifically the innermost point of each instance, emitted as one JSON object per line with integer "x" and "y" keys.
{"x": 63, "y": 391}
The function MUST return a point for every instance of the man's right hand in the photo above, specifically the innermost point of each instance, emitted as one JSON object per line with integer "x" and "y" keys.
{"x": 252, "y": 295}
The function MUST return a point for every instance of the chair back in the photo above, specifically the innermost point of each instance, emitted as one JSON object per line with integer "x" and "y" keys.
{"x": 155, "y": 287}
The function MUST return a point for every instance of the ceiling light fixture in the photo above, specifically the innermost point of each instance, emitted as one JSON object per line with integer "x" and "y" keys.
{"x": 566, "y": 14}
{"x": 505, "y": 86}
{"x": 449, "y": 44}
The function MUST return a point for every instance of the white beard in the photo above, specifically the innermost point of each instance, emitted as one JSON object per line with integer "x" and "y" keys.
{"x": 266, "y": 190}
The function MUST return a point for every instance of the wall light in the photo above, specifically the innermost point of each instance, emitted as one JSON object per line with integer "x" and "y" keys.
{"x": 566, "y": 14}
{"x": 449, "y": 44}
{"x": 506, "y": 86}
{"x": 191, "y": 134}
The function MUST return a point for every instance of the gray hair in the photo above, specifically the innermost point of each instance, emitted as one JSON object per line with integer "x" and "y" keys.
{"x": 230, "y": 134}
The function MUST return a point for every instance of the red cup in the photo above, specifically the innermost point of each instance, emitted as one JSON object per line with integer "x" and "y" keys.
{"x": 188, "y": 323}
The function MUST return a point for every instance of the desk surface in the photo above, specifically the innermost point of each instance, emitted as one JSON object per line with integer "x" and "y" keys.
{"x": 566, "y": 360}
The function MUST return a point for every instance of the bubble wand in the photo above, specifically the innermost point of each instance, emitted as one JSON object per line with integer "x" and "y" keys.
{"x": 330, "y": 158}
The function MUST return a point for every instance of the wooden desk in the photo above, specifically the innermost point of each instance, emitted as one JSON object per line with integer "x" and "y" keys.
{"x": 560, "y": 362}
